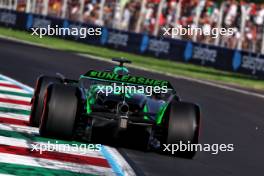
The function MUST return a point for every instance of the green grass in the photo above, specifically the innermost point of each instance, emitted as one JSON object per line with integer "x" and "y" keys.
{"x": 160, "y": 65}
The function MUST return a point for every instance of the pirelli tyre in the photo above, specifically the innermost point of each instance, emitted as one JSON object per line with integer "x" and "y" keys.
{"x": 37, "y": 100}
{"x": 60, "y": 111}
{"x": 181, "y": 129}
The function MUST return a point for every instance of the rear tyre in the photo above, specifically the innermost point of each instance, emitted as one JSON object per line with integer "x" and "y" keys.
{"x": 37, "y": 100}
{"x": 60, "y": 111}
{"x": 182, "y": 127}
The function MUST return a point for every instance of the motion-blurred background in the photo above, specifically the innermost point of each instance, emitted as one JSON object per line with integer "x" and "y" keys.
{"x": 149, "y": 16}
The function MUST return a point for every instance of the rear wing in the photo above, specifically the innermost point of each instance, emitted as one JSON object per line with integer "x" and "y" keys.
{"x": 128, "y": 79}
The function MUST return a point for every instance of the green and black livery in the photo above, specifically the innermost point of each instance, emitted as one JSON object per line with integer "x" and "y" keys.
{"x": 80, "y": 109}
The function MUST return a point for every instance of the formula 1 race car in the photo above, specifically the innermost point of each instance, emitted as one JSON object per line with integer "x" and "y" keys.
{"x": 114, "y": 107}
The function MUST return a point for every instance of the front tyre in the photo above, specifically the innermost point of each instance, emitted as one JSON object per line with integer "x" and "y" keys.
{"x": 60, "y": 111}
{"x": 182, "y": 127}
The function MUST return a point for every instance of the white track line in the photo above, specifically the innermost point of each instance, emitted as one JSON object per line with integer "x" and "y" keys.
{"x": 53, "y": 164}
{"x": 123, "y": 163}
{"x": 13, "y": 89}
{"x": 15, "y": 97}
{"x": 18, "y": 128}
{"x": 5, "y": 82}
{"x": 15, "y": 106}
{"x": 14, "y": 116}
{"x": 25, "y": 87}
{"x": 6, "y": 175}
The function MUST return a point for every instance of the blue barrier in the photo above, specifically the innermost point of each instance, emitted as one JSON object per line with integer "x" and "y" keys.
{"x": 165, "y": 48}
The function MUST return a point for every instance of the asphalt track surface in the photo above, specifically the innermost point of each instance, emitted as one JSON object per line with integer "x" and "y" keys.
{"x": 227, "y": 117}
